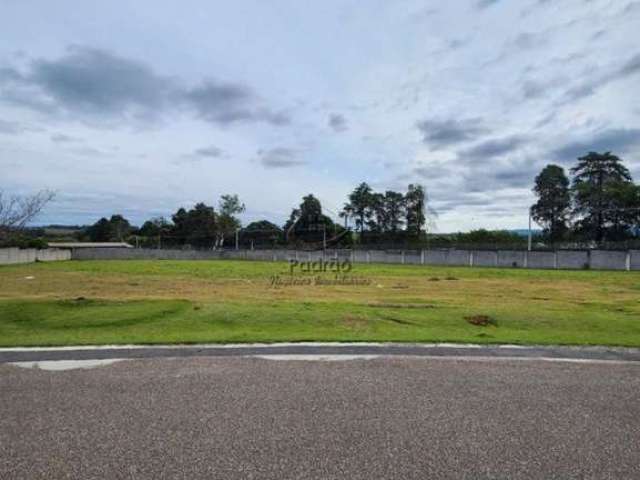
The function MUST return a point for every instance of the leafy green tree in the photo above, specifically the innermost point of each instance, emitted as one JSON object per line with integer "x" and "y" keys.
{"x": 395, "y": 211}
{"x": 262, "y": 232}
{"x": 196, "y": 227}
{"x": 307, "y": 222}
{"x": 602, "y": 189}
{"x": 229, "y": 206}
{"x": 120, "y": 228}
{"x": 416, "y": 209}
{"x": 116, "y": 229}
{"x": 378, "y": 219}
{"x": 99, "y": 231}
{"x": 361, "y": 206}
{"x": 390, "y": 210}
{"x": 553, "y": 208}
{"x": 625, "y": 220}
{"x": 154, "y": 227}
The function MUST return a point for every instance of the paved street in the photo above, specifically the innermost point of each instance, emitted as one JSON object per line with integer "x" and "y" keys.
{"x": 380, "y": 418}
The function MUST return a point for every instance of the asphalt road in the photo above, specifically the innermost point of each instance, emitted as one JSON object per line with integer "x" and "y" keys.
{"x": 383, "y": 418}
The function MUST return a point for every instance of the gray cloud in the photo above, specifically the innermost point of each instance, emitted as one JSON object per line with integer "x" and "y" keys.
{"x": 280, "y": 157}
{"x": 88, "y": 81}
{"x": 61, "y": 138}
{"x": 337, "y": 122}
{"x": 91, "y": 152}
{"x": 212, "y": 151}
{"x": 595, "y": 81}
{"x": 618, "y": 141}
{"x": 482, "y": 4}
{"x": 11, "y": 128}
{"x": 494, "y": 147}
{"x": 226, "y": 103}
{"x": 442, "y": 133}
{"x": 529, "y": 40}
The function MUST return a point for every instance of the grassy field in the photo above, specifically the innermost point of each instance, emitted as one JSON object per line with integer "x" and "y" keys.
{"x": 117, "y": 302}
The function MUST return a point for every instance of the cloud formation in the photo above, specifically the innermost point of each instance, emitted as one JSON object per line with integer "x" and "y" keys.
{"x": 601, "y": 78}
{"x": 482, "y": 4}
{"x": 166, "y": 116}
{"x": 445, "y": 133}
{"x": 100, "y": 84}
{"x": 280, "y": 157}
{"x": 211, "y": 152}
{"x": 617, "y": 140}
{"x": 337, "y": 122}
{"x": 494, "y": 148}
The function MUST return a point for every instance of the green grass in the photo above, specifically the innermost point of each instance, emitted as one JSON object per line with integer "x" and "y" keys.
{"x": 146, "y": 302}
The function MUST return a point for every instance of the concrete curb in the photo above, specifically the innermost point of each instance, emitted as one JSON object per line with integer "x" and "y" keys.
{"x": 471, "y": 351}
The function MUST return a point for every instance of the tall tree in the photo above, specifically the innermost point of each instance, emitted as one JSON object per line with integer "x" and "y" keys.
{"x": 229, "y": 206}
{"x": 598, "y": 185}
{"x": 307, "y": 222}
{"x": 120, "y": 227}
{"x": 100, "y": 231}
{"x": 262, "y": 232}
{"x": 154, "y": 227}
{"x": 395, "y": 210}
{"x": 196, "y": 227}
{"x": 416, "y": 210}
{"x": 553, "y": 207}
{"x": 361, "y": 206}
{"x": 116, "y": 229}
{"x": 378, "y": 220}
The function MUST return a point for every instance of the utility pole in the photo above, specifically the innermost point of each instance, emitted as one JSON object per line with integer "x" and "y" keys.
{"x": 529, "y": 236}
{"x": 324, "y": 237}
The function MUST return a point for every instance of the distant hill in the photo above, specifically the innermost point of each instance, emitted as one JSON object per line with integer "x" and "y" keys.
{"x": 524, "y": 232}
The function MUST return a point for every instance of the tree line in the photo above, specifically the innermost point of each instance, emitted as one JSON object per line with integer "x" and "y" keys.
{"x": 377, "y": 216}
{"x": 600, "y": 202}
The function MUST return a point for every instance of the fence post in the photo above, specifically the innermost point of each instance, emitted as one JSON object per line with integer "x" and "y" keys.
{"x": 368, "y": 256}
{"x": 627, "y": 262}
{"x": 421, "y": 257}
{"x": 526, "y": 259}
{"x": 402, "y": 257}
{"x": 555, "y": 259}
{"x": 471, "y": 258}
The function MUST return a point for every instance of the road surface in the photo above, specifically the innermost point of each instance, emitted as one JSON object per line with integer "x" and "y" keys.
{"x": 367, "y": 418}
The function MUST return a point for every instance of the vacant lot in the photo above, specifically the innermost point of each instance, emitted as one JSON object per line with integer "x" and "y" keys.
{"x": 109, "y": 302}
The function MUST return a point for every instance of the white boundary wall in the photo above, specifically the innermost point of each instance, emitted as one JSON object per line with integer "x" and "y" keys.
{"x": 561, "y": 259}
{"x": 12, "y": 256}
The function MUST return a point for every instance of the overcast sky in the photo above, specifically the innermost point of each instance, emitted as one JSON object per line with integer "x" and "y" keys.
{"x": 142, "y": 107}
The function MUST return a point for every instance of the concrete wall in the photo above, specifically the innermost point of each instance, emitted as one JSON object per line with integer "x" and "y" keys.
{"x": 484, "y": 258}
{"x": 562, "y": 259}
{"x": 608, "y": 260}
{"x": 511, "y": 258}
{"x": 541, "y": 260}
{"x": 573, "y": 259}
{"x": 12, "y": 256}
